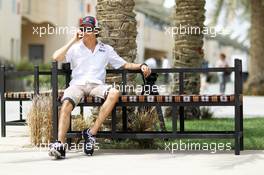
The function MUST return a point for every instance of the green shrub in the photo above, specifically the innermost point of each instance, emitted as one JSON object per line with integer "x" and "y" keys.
{"x": 206, "y": 113}
{"x": 44, "y": 81}
{"x": 24, "y": 65}
{"x": 45, "y": 67}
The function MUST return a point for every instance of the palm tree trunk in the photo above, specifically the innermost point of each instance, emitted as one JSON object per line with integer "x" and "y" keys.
{"x": 188, "y": 49}
{"x": 255, "y": 84}
{"x": 189, "y": 20}
{"x": 119, "y": 29}
{"x": 118, "y": 23}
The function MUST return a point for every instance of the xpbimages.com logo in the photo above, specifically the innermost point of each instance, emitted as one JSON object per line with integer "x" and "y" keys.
{"x": 213, "y": 147}
{"x": 75, "y": 147}
{"x": 195, "y": 30}
{"x": 62, "y": 30}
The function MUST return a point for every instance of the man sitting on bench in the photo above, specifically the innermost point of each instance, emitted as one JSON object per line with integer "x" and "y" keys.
{"x": 88, "y": 58}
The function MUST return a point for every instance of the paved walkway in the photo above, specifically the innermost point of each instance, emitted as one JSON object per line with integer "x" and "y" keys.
{"x": 132, "y": 162}
{"x": 18, "y": 157}
{"x": 253, "y": 105}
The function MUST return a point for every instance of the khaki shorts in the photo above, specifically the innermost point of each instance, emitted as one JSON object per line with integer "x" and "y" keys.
{"x": 75, "y": 93}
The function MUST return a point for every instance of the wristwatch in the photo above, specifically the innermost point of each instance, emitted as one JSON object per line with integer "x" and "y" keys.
{"x": 143, "y": 65}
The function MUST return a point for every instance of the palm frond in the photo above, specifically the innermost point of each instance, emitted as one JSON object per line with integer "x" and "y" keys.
{"x": 230, "y": 10}
{"x": 219, "y": 7}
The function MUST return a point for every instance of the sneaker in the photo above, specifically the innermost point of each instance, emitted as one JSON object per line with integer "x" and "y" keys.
{"x": 89, "y": 142}
{"x": 57, "y": 150}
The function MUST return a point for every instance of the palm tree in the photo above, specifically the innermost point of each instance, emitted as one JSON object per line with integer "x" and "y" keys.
{"x": 119, "y": 29}
{"x": 256, "y": 69}
{"x": 117, "y": 21}
{"x": 188, "y": 52}
{"x": 253, "y": 11}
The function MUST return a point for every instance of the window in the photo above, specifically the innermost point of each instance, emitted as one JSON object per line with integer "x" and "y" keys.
{"x": 14, "y": 6}
{"x": 81, "y": 6}
{"x": 27, "y": 6}
{"x": 17, "y": 48}
{"x": 36, "y": 53}
{"x": 12, "y": 48}
{"x": 18, "y": 8}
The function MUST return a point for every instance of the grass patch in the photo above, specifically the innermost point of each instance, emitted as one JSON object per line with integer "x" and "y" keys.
{"x": 253, "y": 134}
{"x": 253, "y": 131}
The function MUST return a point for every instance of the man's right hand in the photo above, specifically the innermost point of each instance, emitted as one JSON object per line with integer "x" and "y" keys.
{"x": 59, "y": 55}
{"x": 77, "y": 37}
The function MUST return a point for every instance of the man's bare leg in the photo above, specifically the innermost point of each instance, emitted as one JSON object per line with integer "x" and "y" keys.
{"x": 105, "y": 110}
{"x": 64, "y": 120}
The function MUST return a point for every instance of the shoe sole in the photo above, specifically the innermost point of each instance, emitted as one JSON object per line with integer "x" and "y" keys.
{"x": 56, "y": 154}
{"x": 88, "y": 151}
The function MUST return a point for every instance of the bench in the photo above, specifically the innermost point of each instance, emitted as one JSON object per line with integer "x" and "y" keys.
{"x": 177, "y": 102}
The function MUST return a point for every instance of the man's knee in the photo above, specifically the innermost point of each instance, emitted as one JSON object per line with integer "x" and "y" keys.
{"x": 67, "y": 106}
{"x": 113, "y": 94}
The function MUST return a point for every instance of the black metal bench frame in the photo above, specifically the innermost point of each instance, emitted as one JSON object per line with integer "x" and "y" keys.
{"x": 237, "y": 134}
{"x": 238, "y": 104}
{"x": 4, "y": 75}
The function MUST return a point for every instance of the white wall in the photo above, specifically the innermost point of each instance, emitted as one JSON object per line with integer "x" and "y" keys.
{"x": 149, "y": 37}
{"x": 37, "y": 13}
{"x": 10, "y": 32}
{"x": 59, "y": 13}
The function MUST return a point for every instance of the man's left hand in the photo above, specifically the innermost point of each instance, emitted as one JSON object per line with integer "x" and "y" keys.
{"x": 146, "y": 70}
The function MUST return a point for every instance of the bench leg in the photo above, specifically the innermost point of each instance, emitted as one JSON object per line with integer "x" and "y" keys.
{"x": 69, "y": 140}
{"x": 174, "y": 119}
{"x": 161, "y": 118}
{"x": 3, "y": 117}
{"x": 81, "y": 110}
{"x": 124, "y": 118}
{"x": 181, "y": 112}
{"x": 237, "y": 129}
{"x": 113, "y": 123}
{"x": 55, "y": 121}
{"x": 20, "y": 111}
{"x": 241, "y": 129}
{"x": 237, "y": 144}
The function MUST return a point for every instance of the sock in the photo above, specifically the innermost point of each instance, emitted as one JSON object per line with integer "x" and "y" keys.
{"x": 89, "y": 133}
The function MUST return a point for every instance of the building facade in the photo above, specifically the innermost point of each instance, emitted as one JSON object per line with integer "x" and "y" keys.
{"x": 10, "y": 30}
{"x": 33, "y": 29}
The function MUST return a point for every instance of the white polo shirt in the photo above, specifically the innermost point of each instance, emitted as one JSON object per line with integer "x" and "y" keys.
{"x": 90, "y": 67}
